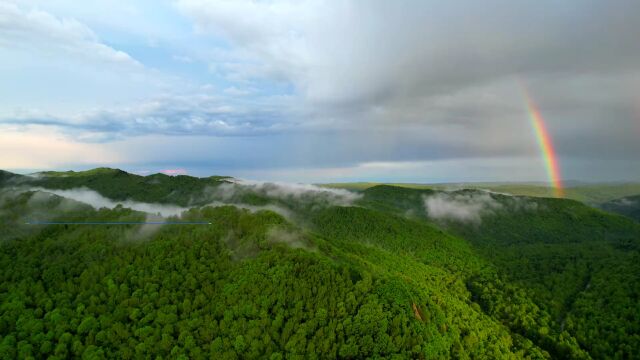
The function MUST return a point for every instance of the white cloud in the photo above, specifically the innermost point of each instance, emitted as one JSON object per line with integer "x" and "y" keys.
{"x": 300, "y": 193}
{"x": 98, "y": 201}
{"x": 56, "y": 65}
{"x": 234, "y": 91}
{"x": 471, "y": 206}
{"x": 624, "y": 202}
{"x": 462, "y": 207}
{"x": 185, "y": 114}
{"x": 39, "y": 30}
{"x": 295, "y": 240}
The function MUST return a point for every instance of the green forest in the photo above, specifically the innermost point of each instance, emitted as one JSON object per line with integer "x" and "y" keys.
{"x": 311, "y": 273}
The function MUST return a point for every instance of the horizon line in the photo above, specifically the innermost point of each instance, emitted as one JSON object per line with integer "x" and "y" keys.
{"x": 28, "y": 172}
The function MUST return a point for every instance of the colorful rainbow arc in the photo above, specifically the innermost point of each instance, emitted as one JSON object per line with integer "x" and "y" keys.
{"x": 546, "y": 145}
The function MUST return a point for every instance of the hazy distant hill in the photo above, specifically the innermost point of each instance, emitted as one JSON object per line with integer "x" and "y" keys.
{"x": 627, "y": 206}
{"x": 589, "y": 193}
{"x": 286, "y": 270}
{"x": 6, "y": 178}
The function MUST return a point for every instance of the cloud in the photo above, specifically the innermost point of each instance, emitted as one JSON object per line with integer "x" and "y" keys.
{"x": 47, "y": 205}
{"x": 624, "y": 202}
{"x": 62, "y": 75}
{"x": 471, "y": 206}
{"x": 98, "y": 201}
{"x": 176, "y": 115}
{"x": 376, "y": 50}
{"x": 462, "y": 207}
{"x": 39, "y": 199}
{"x": 41, "y": 206}
{"x": 36, "y": 29}
{"x": 304, "y": 193}
{"x": 144, "y": 231}
{"x": 293, "y": 239}
{"x": 444, "y": 73}
{"x": 386, "y": 83}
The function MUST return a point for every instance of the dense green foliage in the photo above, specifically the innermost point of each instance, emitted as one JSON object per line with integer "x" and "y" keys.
{"x": 227, "y": 290}
{"x": 557, "y": 251}
{"x": 398, "y": 200}
{"x": 536, "y": 278}
{"x": 554, "y": 249}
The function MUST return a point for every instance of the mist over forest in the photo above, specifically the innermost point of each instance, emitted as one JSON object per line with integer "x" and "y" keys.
{"x": 285, "y": 270}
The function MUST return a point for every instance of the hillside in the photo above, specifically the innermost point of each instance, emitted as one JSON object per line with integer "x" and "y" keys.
{"x": 120, "y": 185}
{"x": 285, "y": 271}
{"x": 574, "y": 258}
{"x": 561, "y": 250}
{"x": 587, "y": 193}
{"x": 8, "y": 178}
{"x": 79, "y": 290}
{"x": 628, "y": 206}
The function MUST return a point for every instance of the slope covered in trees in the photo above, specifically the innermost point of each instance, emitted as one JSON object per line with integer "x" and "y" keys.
{"x": 580, "y": 264}
{"x": 119, "y": 185}
{"x": 588, "y": 193}
{"x": 329, "y": 275}
{"x": 236, "y": 288}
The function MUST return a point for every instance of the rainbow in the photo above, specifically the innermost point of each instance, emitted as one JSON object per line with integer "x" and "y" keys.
{"x": 546, "y": 145}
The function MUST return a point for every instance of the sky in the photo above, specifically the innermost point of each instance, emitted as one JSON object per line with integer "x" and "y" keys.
{"x": 322, "y": 91}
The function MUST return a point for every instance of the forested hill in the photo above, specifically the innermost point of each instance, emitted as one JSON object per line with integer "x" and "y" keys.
{"x": 296, "y": 271}
{"x": 585, "y": 192}
{"x": 7, "y": 177}
{"x": 120, "y": 185}
{"x": 572, "y": 257}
